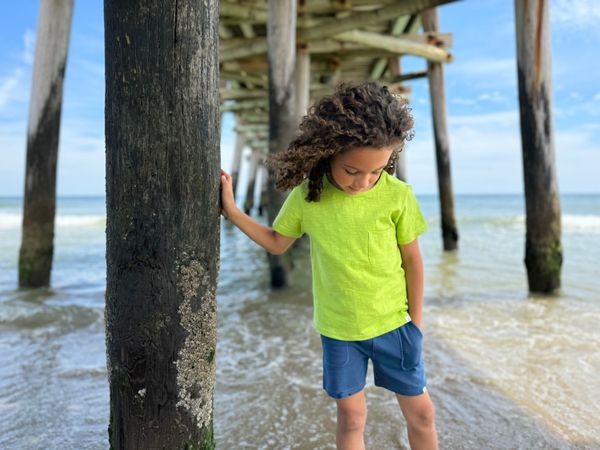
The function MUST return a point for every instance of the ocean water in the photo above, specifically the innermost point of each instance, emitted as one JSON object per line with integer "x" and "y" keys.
{"x": 506, "y": 369}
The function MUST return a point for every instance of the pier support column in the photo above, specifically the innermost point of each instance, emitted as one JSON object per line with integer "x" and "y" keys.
{"x": 401, "y": 166}
{"x": 240, "y": 142}
{"x": 543, "y": 249}
{"x": 281, "y": 37}
{"x": 163, "y": 220}
{"x": 302, "y": 83}
{"x": 252, "y": 171}
{"x": 395, "y": 68}
{"x": 39, "y": 201}
{"x": 435, "y": 73}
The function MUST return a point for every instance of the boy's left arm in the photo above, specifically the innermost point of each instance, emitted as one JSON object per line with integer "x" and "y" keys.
{"x": 412, "y": 262}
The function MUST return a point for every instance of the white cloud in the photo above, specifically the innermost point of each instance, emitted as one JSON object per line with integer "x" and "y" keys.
{"x": 462, "y": 101}
{"x": 12, "y": 88}
{"x": 591, "y": 127}
{"x": 485, "y": 155}
{"x": 590, "y": 107}
{"x": 93, "y": 68}
{"x": 81, "y": 173}
{"x": 7, "y": 86}
{"x": 493, "y": 120}
{"x": 578, "y": 159}
{"x": 12, "y": 151}
{"x": 494, "y": 97}
{"x": 484, "y": 67}
{"x": 576, "y": 14}
{"x": 29, "y": 49}
{"x": 484, "y": 73}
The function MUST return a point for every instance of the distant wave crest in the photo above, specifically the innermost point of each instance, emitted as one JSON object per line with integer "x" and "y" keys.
{"x": 586, "y": 224}
{"x": 13, "y": 220}
{"x": 571, "y": 223}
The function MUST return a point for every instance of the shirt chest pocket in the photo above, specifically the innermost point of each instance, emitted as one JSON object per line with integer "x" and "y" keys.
{"x": 383, "y": 248}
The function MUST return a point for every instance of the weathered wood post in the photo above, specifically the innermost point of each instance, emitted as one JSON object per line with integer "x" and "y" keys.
{"x": 162, "y": 181}
{"x": 240, "y": 142}
{"x": 39, "y": 202}
{"x": 281, "y": 37}
{"x": 302, "y": 82}
{"x": 401, "y": 166}
{"x": 262, "y": 189}
{"x": 435, "y": 73}
{"x": 395, "y": 68}
{"x": 543, "y": 250}
{"x": 252, "y": 171}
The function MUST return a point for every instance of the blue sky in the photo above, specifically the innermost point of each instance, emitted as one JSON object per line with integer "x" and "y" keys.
{"x": 481, "y": 90}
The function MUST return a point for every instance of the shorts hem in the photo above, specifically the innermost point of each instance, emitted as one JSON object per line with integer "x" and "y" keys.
{"x": 404, "y": 392}
{"x": 346, "y": 393}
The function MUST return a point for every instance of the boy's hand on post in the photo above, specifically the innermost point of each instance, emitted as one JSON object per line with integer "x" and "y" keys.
{"x": 264, "y": 236}
{"x": 227, "y": 198}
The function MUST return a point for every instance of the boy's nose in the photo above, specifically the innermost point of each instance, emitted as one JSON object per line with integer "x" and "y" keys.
{"x": 362, "y": 183}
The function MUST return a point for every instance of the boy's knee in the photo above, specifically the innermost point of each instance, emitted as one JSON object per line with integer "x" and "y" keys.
{"x": 352, "y": 419}
{"x": 423, "y": 417}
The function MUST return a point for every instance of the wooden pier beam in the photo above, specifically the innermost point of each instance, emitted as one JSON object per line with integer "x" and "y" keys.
{"x": 395, "y": 44}
{"x": 543, "y": 249}
{"x": 163, "y": 220}
{"x": 281, "y": 37}
{"x": 39, "y": 202}
{"x": 331, "y": 27}
{"x": 442, "y": 147}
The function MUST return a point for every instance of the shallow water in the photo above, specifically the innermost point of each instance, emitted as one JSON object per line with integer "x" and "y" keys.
{"x": 506, "y": 370}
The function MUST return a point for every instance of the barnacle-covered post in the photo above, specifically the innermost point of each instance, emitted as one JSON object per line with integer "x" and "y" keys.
{"x": 543, "y": 249}
{"x": 162, "y": 179}
{"x": 39, "y": 204}
{"x": 281, "y": 37}
{"x": 435, "y": 73}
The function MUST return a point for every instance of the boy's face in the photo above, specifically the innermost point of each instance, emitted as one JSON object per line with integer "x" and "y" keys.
{"x": 358, "y": 170}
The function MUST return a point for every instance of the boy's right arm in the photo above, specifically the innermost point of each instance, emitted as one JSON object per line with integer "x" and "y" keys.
{"x": 266, "y": 237}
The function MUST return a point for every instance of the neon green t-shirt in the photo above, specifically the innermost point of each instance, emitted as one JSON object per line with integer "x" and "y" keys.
{"x": 359, "y": 287}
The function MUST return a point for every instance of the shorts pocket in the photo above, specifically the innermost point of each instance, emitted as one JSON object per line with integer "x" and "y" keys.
{"x": 411, "y": 342}
{"x": 335, "y": 352}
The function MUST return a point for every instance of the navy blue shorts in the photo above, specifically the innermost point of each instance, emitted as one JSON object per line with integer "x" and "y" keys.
{"x": 397, "y": 363}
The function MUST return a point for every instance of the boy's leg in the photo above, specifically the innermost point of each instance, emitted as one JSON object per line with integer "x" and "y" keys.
{"x": 419, "y": 413}
{"x": 351, "y": 420}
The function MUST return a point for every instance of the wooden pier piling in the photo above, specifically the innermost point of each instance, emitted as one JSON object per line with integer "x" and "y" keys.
{"x": 39, "y": 203}
{"x": 238, "y": 148}
{"x": 163, "y": 221}
{"x": 543, "y": 249}
{"x": 281, "y": 37}
{"x": 442, "y": 146}
{"x": 252, "y": 172}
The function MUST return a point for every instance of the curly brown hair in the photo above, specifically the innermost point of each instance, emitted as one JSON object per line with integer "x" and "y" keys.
{"x": 364, "y": 115}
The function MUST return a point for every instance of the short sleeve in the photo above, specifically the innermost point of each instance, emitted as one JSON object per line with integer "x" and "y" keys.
{"x": 411, "y": 222}
{"x": 289, "y": 219}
